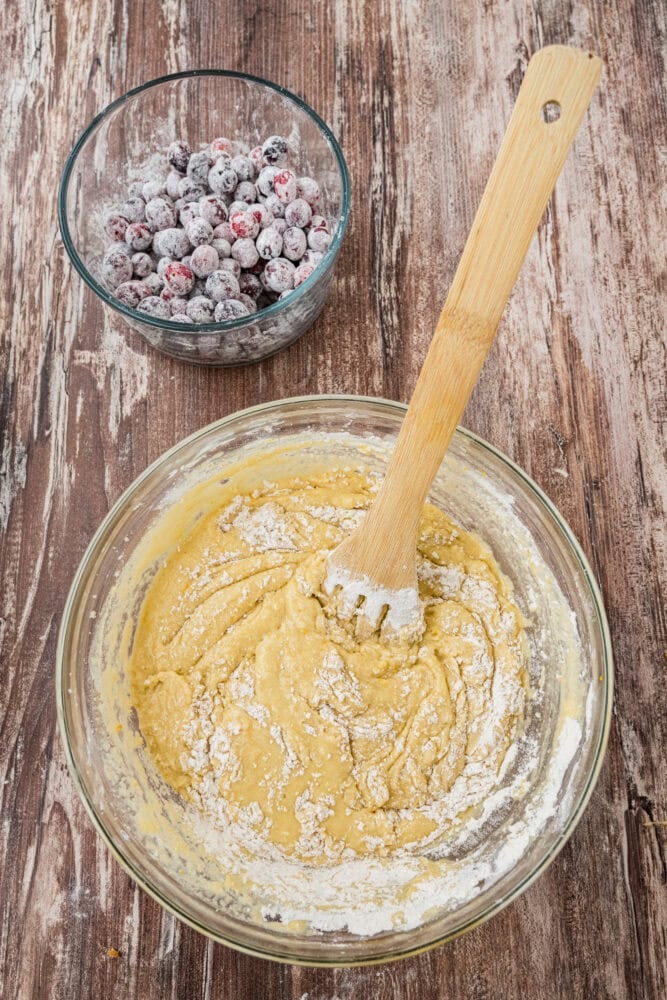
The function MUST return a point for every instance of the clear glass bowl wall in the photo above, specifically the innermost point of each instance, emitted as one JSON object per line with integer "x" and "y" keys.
{"x": 112, "y": 781}
{"x": 127, "y": 142}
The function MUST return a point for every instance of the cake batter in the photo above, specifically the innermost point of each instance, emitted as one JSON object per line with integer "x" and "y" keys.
{"x": 265, "y": 710}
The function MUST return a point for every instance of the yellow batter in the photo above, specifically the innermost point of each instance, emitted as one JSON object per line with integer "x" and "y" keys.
{"x": 268, "y": 712}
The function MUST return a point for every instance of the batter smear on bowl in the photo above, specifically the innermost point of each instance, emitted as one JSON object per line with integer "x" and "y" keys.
{"x": 328, "y": 741}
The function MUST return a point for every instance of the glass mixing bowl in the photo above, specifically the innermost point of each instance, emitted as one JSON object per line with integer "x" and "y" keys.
{"x": 152, "y": 832}
{"x": 126, "y": 142}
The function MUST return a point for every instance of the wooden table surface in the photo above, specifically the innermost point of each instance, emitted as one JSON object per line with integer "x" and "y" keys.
{"x": 419, "y": 94}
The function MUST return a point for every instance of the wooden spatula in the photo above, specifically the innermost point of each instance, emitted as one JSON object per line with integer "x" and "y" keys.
{"x": 375, "y": 567}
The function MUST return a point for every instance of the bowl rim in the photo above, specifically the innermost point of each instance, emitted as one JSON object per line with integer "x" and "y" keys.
{"x": 337, "y": 961}
{"x": 168, "y": 326}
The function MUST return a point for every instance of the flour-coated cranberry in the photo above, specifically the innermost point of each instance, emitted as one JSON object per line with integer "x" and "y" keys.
{"x": 224, "y": 145}
{"x": 274, "y": 150}
{"x": 284, "y": 186}
{"x": 176, "y": 304}
{"x": 261, "y": 214}
{"x": 180, "y": 317}
{"x": 200, "y": 309}
{"x": 298, "y": 213}
{"x": 245, "y": 252}
{"x": 179, "y": 278}
{"x": 187, "y": 260}
{"x": 138, "y": 236}
{"x": 246, "y": 191}
{"x": 131, "y": 293}
{"x": 134, "y": 209}
{"x": 243, "y": 167}
{"x": 256, "y": 268}
{"x": 115, "y": 226}
{"x": 224, "y": 232}
{"x": 280, "y": 225}
{"x": 294, "y": 243}
{"x": 221, "y": 284}
{"x": 286, "y": 293}
{"x": 141, "y": 265}
{"x": 302, "y": 272}
{"x": 237, "y": 206}
{"x": 178, "y": 155}
{"x": 312, "y": 257}
{"x": 231, "y": 266}
{"x": 199, "y": 231}
{"x": 257, "y": 158}
{"x": 230, "y": 309}
{"x": 153, "y": 189}
{"x": 318, "y": 239}
{"x": 250, "y": 284}
{"x": 160, "y": 214}
{"x": 264, "y": 180}
{"x": 244, "y": 225}
{"x": 199, "y": 288}
{"x": 223, "y": 248}
{"x": 205, "y": 260}
{"x": 172, "y": 182}
{"x": 191, "y": 189}
{"x": 279, "y": 275}
{"x": 162, "y": 265}
{"x": 188, "y": 211}
{"x": 248, "y": 302}
{"x": 308, "y": 189}
{"x": 213, "y": 209}
{"x": 269, "y": 243}
{"x": 153, "y": 305}
{"x": 154, "y": 283}
{"x": 171, "y": 243}
{"x": 274, "y": 205}
{"x": 221, "y": 178}
{"x": 319, "y": 222}
{"x": 198, "y": 168}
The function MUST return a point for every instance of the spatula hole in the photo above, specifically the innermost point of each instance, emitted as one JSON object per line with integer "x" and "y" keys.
{"x": 550, "y": 112}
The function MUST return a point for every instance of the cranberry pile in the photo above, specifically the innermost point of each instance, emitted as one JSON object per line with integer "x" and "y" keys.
{"x": 228, "y": 231}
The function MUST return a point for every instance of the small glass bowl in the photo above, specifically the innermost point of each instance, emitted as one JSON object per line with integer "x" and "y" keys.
{"x": 149, "y": 829}
{"x": 127, "y": 141}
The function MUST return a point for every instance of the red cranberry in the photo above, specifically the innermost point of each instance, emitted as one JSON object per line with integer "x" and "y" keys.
{"x": 213, "y": 209}
{"x": 230, "y": 309}
{"x": 284, "y": 186}
{"x": 222, "y": 285}
{"x": 178, "y": 278}
{"x": 155, "y": 306}
{"x": 298, "y": 213}
{"x": 294, "y": 243}
{"x": 245, "y": 252}
{"x": 302, "y": 272}
{"x": 244, "y": 225}
{"x": 204, "y": 260}
{"x": 178, "y": 155}
{"x": 131, "y": 293}
{"x": 115, "y": 226}
{"x": 138, "y": 236}
{"x": 270, "y": 243}
{"x": 308, "y": 189}
{"x": 274, "y": 150}
{"x": 200, "y": 309}
{"x": 279, "y": 275}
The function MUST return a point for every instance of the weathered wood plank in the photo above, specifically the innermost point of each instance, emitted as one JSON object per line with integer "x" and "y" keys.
{"x": 574, "y": 390}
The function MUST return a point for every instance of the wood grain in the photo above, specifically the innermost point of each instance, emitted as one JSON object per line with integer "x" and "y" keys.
{"x": 574, "y": 390}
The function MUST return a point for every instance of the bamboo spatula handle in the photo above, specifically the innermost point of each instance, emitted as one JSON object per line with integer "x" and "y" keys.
{"x": 530, "y": 159}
